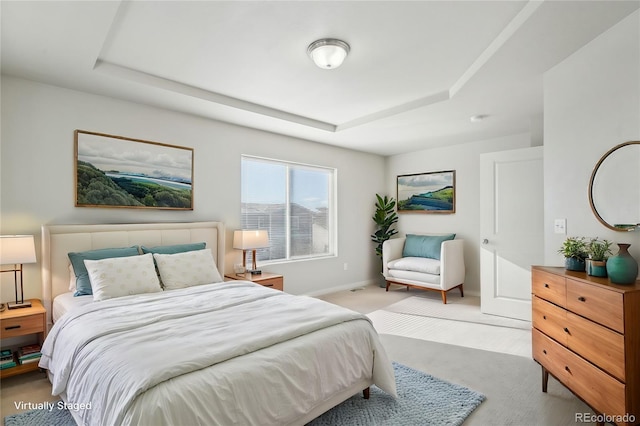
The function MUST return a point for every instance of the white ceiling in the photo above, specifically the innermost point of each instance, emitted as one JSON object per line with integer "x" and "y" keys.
{"x": 416, "y": 73}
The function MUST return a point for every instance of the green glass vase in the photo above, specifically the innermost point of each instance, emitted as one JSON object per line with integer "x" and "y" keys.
{"x": 622, "y": 268}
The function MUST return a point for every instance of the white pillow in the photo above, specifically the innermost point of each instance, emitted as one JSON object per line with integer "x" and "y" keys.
{"x": 72, "y": 278}
{"x": 187, "y": 269}
{"x": 122, "y": 276}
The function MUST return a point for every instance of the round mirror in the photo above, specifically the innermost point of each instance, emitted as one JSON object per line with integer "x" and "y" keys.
{"x": 614, "y": 188}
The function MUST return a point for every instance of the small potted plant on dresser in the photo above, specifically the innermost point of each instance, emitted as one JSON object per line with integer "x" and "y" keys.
{"x": 599, "y": 251}
{"x": 575, "y": 251}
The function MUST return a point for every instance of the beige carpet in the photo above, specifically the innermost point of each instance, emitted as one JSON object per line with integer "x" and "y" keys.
{"x": 459, "y": 322}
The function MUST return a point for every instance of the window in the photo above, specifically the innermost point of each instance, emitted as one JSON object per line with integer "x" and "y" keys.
{"x": 294, "y": 203}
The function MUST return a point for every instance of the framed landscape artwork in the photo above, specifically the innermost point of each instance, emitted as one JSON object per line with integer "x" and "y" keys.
{"x": 115, "y": 171}
{"x": 433, "y": 192}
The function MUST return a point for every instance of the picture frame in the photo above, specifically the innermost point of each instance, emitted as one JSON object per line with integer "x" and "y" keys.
{"x": 431, "y": 192}
{"x": 120, "y": 172}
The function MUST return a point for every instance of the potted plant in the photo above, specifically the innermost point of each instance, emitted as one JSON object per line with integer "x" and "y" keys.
{"x": 385, "y": 217}
{"x": 575, "y": 251}
{"x": 599, "y": 251}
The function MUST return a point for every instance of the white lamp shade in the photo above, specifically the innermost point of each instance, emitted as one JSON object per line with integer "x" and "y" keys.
{"x": 249, "y": 239}
{"x": 328, "y": 53}
{"x": 16, "y": 249}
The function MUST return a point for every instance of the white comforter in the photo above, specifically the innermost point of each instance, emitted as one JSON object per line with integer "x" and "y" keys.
{"x": 214, "y": 354}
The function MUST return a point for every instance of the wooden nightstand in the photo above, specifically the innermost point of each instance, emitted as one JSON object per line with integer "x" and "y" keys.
{"x": 266, "y": 279}
{"x": 21, "y": 322}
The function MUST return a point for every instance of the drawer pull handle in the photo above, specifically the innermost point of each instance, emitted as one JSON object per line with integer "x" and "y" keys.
{"x": 268, "y": 285}
{"x": 582, "y": 299}
{"x": 544, "y": 317}
{"x": 544, "y": 351}
{"x": 546, "y": 285}
{"x": 12, "y": 327}
{"x": 566, "y": 367}
{"x": 566, "y": 330}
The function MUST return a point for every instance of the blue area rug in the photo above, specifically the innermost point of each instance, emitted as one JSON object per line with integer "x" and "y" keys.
{"x": 422, "y": 400}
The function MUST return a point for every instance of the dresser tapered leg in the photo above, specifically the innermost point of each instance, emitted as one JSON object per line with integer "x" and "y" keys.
{"x": 545, "y": 379}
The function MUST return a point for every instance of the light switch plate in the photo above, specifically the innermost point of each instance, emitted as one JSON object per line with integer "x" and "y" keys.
{"x": 560, "y": 226}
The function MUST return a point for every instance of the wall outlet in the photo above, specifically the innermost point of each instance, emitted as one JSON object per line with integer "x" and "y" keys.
{"x": 560, "y": 226}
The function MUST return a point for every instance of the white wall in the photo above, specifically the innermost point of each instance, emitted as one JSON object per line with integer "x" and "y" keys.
{"x": 591, "y": 103}
{"x": 37, "y": 177}
{"x": 465, "y": 222}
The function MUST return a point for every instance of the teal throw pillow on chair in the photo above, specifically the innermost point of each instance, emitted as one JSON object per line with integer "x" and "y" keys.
{"x": 424, "y": 245}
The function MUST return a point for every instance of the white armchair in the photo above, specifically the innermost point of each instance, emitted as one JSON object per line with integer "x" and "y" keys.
{"x": 425, "y": 273}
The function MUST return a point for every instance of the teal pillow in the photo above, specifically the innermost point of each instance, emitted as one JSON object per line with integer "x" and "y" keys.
{"x": 424, "y": 245}
{"x": 173, "y": 249}
{"x": 83, "y": 285}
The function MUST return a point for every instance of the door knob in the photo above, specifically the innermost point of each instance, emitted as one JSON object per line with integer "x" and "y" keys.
{"x": 485, "y": 241}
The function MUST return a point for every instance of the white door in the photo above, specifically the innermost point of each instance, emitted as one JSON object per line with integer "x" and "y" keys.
{"x": 511, "y": 229}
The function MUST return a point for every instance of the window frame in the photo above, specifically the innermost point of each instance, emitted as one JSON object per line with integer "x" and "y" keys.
{"x": 332, "y": 209}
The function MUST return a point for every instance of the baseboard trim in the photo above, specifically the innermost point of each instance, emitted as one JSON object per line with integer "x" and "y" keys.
{"x": 344, "y": 287}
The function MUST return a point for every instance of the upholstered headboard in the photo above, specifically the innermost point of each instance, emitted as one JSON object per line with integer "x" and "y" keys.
{"x": 58, "y": 240}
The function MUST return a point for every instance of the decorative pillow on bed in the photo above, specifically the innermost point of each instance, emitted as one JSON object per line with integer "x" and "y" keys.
{"x": 83, "y": 285}
{"x": 187, "y": 269}
{"x": 122, "y": 276}
{"x": 173, "y": 249}
{"x": 424, "y": 245}
{"x": 72, "y": 279}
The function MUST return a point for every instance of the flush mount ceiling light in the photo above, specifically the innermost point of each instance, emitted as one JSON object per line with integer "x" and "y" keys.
{"x": 328, "y": 53}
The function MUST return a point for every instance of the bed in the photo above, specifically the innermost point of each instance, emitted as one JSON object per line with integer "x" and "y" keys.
{"x": 215, "y": 353}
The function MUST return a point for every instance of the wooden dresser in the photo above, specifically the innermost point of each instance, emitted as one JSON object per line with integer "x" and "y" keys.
{"x": 586, "y": 334}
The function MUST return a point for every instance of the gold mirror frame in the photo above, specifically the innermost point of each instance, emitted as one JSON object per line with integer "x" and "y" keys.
{"x": 593, "y": 177}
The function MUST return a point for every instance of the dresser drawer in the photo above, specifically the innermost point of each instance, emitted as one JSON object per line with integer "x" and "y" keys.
{"x": 549, "y": 287}
{"x": 600, "y": 345}
{"x": 12, "y": 327}
{"x": 599, "y": 390}
{"x": 599, "y": 304}
{"x": 550, "y": 319}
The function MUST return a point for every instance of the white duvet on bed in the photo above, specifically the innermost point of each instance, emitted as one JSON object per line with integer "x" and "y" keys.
{"x": 214, "y": 354}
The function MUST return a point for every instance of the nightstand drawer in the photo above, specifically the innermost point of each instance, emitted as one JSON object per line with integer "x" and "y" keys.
{"x": 30, "y": 324}
{"x": 275, "y": 283}
{"x": 265, "y": 279}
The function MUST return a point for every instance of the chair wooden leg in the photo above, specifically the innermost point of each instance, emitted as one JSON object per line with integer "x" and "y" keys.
{"x": 444, "y": 296}
{"x": 461, "y": 291}
{"x": 407, "y": 288}
{"x": 365, "y": 393}
{"x": 388, "y": 286}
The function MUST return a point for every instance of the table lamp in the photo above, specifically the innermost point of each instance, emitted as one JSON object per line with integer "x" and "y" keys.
{"x": 250, "y": 239}
{"x": 16, "y": 250}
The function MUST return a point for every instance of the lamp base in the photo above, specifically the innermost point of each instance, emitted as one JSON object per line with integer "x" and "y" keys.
{"x": 18, "y": 305}
{"x": 255, "y": 271}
